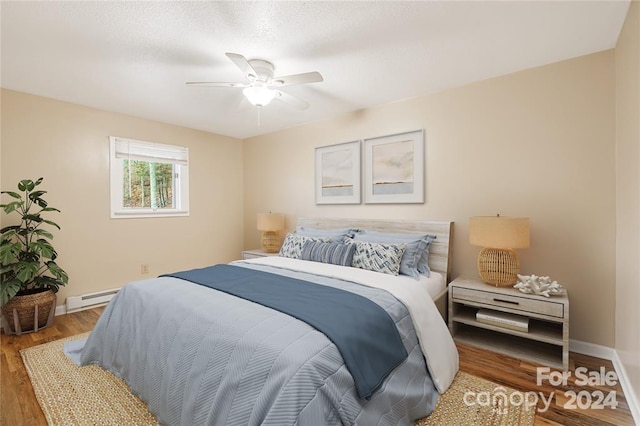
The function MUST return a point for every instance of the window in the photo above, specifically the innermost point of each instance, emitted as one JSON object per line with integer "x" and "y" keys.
{"x": 148, "y": 179}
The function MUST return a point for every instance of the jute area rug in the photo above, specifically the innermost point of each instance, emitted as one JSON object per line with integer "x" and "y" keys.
{"x": 71, "y": 395}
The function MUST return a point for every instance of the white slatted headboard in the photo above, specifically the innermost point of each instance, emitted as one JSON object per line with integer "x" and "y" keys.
{"x": 439, "y": 252}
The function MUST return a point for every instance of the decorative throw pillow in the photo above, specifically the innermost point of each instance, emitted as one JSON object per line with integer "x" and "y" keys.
{"x": 292, "y": 245}
{"x": 416, "y": 253}
{"x": 334, "y": 253}
{"x": 378, "y": 257}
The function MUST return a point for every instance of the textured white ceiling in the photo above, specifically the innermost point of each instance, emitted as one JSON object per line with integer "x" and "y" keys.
{"x": 134, "y": 57}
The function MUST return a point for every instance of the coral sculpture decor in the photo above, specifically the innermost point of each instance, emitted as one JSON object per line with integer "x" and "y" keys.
{"x": 543, "y": 286}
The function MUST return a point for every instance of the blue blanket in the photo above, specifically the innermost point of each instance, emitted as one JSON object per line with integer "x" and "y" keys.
{"x": 363, "y": 332}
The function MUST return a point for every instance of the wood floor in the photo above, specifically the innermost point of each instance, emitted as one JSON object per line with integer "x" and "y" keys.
{"x": 18, "y": 405}
{"x": 521, "y": 375}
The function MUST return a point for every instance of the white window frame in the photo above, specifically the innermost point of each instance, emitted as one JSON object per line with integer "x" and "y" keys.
{"x": 121, "y": 149}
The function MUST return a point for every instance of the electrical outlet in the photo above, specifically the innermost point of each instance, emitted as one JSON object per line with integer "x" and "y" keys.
{"x": 144, "y": 268}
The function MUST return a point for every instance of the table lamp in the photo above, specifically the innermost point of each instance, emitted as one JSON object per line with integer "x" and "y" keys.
{"x": 498, "y": 263}
{"x": 270, "y": 224}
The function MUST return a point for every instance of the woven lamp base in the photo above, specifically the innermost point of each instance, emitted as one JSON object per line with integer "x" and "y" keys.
{"x": 270, "y": 242}
{"x": 498, "y": 267}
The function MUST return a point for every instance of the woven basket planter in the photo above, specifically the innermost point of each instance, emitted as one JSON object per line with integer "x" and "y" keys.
{"x": 29, "y": 313}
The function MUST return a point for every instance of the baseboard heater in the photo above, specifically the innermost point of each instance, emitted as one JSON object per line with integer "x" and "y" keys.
{"x": 90, "y": 300}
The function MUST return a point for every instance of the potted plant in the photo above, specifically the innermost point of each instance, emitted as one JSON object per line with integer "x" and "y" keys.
{"x": 29, "y": 274}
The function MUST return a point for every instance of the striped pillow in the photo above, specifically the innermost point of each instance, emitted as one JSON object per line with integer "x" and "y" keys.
{"x": 378, "y": 257}
{"x": 334, "y": 253}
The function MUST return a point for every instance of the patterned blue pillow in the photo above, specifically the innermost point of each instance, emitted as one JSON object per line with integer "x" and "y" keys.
{"x": 416, "y": 253}
{"x": 292, "y": 245}
{"x": 378, "y": 257}
{"x": 334, "y": 253}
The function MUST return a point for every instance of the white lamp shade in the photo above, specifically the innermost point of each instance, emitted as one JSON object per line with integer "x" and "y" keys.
{"x": 499, "y": 231}
{"x": 258, "y": 95}
{"x": 270, "y": 221}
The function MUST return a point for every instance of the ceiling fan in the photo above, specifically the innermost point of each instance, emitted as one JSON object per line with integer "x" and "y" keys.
{"x": 261, "y": 87}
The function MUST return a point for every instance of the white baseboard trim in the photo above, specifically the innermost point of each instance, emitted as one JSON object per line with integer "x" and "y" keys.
{"x": 630, "y": 395}
{"x": 610, "y": 354}
{"x": 591, "y": 349}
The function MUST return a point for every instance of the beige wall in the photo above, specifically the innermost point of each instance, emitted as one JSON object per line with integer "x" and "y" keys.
{"x": 538, "y": 143}
{"x": 68, "y": 144}
{"x": 627, "y": 59}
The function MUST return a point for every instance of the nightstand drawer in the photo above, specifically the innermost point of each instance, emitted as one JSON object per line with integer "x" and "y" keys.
{"x": 541, "y": 307}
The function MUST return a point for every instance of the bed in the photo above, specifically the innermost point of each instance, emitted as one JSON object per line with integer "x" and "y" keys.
{"x": 440, "y": 252}
{"x": 232, "y": 355}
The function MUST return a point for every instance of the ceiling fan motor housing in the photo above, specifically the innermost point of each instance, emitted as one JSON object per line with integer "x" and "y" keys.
{"x": 263, "y": 68}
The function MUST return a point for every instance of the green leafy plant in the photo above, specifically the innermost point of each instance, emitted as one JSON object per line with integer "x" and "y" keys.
{"x": 27, "y": 258}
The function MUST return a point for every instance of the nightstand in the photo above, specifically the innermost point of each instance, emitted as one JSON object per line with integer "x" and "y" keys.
{"x": 547, "y": 339}
{"x": 252, "y": 254}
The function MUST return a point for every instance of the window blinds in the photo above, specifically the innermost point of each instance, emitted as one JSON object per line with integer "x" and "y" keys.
{"x": 152, "y": 152}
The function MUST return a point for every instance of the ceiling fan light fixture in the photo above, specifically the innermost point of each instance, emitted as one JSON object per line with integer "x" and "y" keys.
{"x": 259, "y": 96}
{"x": 260, "y": 86}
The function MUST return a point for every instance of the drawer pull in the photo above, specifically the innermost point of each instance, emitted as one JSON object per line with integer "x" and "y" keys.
{"x": 506, "y": 301}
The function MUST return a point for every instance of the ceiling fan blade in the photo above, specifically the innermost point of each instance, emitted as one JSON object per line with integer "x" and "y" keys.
{"x": 244, "y": 65}
{"x": 291, "y": 100}
{"x": 290, "y": 80}
{"x": 216, "y": 84}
